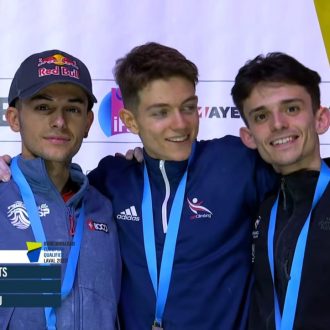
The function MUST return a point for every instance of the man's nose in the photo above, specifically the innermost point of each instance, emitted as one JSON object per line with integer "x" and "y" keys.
{"x": 58, "y": 119}
{"x": 178, "y": 120}
{"x": 279, "y": 121}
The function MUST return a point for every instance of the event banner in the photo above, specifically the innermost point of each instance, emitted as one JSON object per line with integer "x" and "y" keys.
{"x": 218, "y": 36}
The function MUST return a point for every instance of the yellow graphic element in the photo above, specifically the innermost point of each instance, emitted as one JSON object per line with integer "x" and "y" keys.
{"x": 33, "y": 246}
{"x": 59, "y": 59}
{"x": 323, "y": 13}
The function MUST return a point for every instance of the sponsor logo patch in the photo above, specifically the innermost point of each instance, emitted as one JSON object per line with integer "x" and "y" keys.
{"x": 98, "y": 226}
{"x": 64, "y": 66}
{"x": 255, "y": 232}
{"x": 128, "y": 214}
{"x": 324, "y": 224}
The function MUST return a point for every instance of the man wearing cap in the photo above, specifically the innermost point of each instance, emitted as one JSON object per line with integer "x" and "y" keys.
{"x": 49, "y": 199}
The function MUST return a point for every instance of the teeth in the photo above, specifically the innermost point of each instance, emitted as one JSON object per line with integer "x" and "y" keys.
{"x": 282, "y": 141}
{"x": 178, "y": 138}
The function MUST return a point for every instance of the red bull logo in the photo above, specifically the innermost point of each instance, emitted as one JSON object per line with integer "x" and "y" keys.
{"x": 63, "y": 66}
{"x": 57, "y": 59}
{"x": 58, "y": 71}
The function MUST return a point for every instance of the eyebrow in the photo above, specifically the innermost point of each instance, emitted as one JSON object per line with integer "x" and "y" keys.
{"x": 160, "y": 105}
{"x": 50, "y": 98}
{"x": 283, "y": 102}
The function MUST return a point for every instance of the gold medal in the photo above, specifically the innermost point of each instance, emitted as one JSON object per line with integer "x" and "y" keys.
{"x": 156, "y": 327}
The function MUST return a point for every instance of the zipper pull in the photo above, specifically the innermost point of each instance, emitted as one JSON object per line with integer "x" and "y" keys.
{"x": 72, "y": 225}
{"x": 283, "y": 193}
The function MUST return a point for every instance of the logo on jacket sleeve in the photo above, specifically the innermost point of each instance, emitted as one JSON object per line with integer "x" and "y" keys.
{"x": 255, "y": 235}
{"x": 255, "y": 232}
{"x": 18, "y": 216}
{"x": 98, "y": 226}
{"x": 198, "y": 210}
{"x": 128, "y": 214}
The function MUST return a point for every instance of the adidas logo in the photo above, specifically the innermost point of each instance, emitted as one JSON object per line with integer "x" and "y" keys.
{"x": 129, "y": 214}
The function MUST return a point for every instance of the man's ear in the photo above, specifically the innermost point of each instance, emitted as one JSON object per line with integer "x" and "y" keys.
{"x": 90, "y": 119}
{"x": 13, "y": 119}
{"x": 247, "y": 138}
{"x": 322, "y": 120}
{"x": 128, "y": 118}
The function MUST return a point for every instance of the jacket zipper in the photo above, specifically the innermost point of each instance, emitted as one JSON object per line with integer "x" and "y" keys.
{"x": 76, "y": 300}
{"x": 283, "y": 193}
{"x": 72, "y": 227}
{"x": 167, "y": 195}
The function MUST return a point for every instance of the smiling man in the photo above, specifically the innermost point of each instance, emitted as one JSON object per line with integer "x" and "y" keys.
{"x": 279, "y": 99}
{"x": 166, "y": 132}
{"x": 49, "y": 199}
{"x": 184, "y": 215}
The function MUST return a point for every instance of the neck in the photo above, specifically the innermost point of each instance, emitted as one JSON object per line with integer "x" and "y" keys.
{"x": 59, "y": 173}
{"x": 315, "y": 165}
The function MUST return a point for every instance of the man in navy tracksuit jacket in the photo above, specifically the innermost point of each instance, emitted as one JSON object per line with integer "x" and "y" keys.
{"x": 209, "y": 284}
{"x": 211, "y": 277}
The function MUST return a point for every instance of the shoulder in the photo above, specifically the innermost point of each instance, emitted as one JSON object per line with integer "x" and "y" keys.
{"x": 226, "y": 143}
{"x": 114, "y": 163}
{"x": 228, "y": 149}
{"x": 229, "y": 158}
{"x": 112, "y": 167}
{"x": 7, "y": 188}
{"x": 113, "y": 173}
{"x": 94, "y": 195}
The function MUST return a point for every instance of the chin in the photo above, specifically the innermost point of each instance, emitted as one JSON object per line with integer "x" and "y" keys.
{"x": 57, "y": 158}
{"x": 180, "y": 158}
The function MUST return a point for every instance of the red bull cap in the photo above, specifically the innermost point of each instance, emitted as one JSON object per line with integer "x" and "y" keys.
{"x": 49, "y": 67}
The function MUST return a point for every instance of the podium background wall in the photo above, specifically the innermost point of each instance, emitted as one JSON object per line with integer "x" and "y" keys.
{"x": 218, "y": 35}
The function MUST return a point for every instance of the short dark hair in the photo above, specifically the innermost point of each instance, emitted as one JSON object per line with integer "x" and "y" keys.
{"x": 274, "y": 67}
{"x": 149, "y": 62}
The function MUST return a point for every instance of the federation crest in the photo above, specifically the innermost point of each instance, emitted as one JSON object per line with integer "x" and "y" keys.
{"x": 18, "y": 216}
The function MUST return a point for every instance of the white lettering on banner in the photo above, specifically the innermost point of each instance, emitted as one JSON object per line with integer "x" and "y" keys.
{"x": 118, "y": 125}
{"x": 226, "y": 40}
{"x": 3, "y": 272}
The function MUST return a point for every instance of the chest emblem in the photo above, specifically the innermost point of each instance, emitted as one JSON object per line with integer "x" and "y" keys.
{"x": 18, "y": 216}
{"x": 198, "y": 209}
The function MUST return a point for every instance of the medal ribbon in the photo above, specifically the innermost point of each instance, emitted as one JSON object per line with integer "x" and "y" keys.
{"x": 161, "y": 287}
{"x": 39, "y": 235}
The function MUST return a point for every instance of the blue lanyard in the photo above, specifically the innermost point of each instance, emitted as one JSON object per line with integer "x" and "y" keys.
{"x": 287, "y": 320}
{"x": 161, "y": 288}
{"x": 39, "y": 235}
